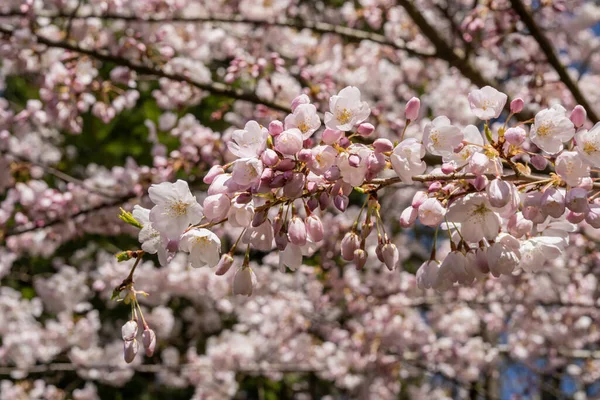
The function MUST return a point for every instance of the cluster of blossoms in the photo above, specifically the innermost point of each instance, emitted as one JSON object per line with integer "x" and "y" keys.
{"x": 282, "y": 178}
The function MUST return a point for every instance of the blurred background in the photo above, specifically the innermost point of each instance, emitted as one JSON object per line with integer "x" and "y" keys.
{"x": 101, "y": 98}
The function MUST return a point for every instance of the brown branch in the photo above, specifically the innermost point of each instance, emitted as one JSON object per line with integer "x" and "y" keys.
{"x": 548, "y": 50}
{"x": 351, "y": 34}
{"x": 213, "y": 87}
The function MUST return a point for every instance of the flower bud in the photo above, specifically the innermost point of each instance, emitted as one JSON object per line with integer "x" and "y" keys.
{"x": 586, "y": 183}
{"x": 480, "y": 182}
{"x": 281, "y": 240}
{"x": 314, "y": 228}
{"x": 516, "y": 106}
{"x": 341, "y": 202}
{"x": 305, "y": 155}
{"x": 408, "y": 217}
{"x": 365, "y": 129}
{"x": 312, "y": 203}
{"x": 349, "y": 244}
{"x": 331, "y": 136}
{"x": 289, "y": 142}
{"x": 383, "y": 145}
{"x": 431, "y": 212}
{"x": 130, "y": 350}
{"x": 515, "y": 136}
{"x": 259, "y": 218}
{"x": 391, "y": 256}
{"x": 378, "y": 250}
{"x": 224, "y": 264}
{"x": 295, "y": 186}
{"x": 499, "y": 193}
{"x": 518, "y": 226}
{"x": 574, "y": 217}
{"x": 411, "y": 110}
{"x": 539, "y": 162}
{"x": 434, "y": 187}
{"x": 448, "y": 168}
{"x": 360, "y": 258}
{"x": 502, "y": 259}
{"x": 553, "y": 202}
{"x": 302, "y": 99}
{"x": 324, "y": 200}
{"x": 592, "y": 217}
{"x": 269, "y": 157}
{"x": 275, "y": 128}
{"x": 419, "y": 198}
{"x": 481, "y": 261}
{"x": 577, "y": 200}
{"x": 344, "y": 142}
{"x": 297, "y": 231}
{"x": 287, "y": 164}
{"x": 212, "y": 173}
{"x": 578, "y": 116}
{"x": 375, "y": 163}
{"x": 333, "y": 173}
{"x": 216, "y": 207}
{"x": 244, "y": 281}
{"x": 149, "y": 341}
{"x": 129, "y": 330}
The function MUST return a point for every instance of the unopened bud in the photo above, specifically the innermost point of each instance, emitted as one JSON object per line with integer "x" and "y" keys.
{"x": 331, "y": 136}
{"x": 149, "y": 341}
{"x": 411, "y": 110}
{"x": 365, "y": 129}
{"x": 224, "y": 264}
{"x": 577, "y": 201}
{"x": 383, "y": 145}
{"x": 269, "y": 157}
{"x": 129, "y": 330}
{"x": 499, "y": 193}
{"x": 212, "y": 173}
{"x": 391, "y": 256}
{"x": 130, "y": 350}
{"x": 539, "y": 162}
{"x": 408, "y": 217}
{"x": 360, "y": 258}
{"x": 297, "y": 231}
{"x": 275, "y": 128}
{"x": 349, "y": 244}
{"x": 448, "y": 168}
{"x": 516, "y": 106}
{"x": 515, "y": 135}
{"x": 354, "y": 160}
{"x": 244, "y": 281}
{"x": 341, "y": 202}
{"x": 314, "y": 228}
{"x": 578, "y": 116}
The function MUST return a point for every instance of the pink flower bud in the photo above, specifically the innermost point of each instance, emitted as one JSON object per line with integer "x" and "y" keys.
{"x": 332, "y": 174}
{"x": 289, "y": 142}
{"x": 305, "y": 155}
{"x": 574, "y": 217}
{"x": 434, "y": 187}
{"x": 431, "y": 212}
{"x": 375, "y": 164}
{"x": 577, "y": 200}
{"x": 295, "y": 186}
{"x": 592, "y": 217}
{"x": 216, "y": 207}
{"x": 553, "y": 202}
{"x": 419, "y": 198}
{"x": 287, "y": 164}
{"x": 275, "y": 128}
{"x": 411, "y": 110}
{"x": 281, "y": 240}
{"x": 331, "y": 136}
{"x": 243, "y": 198}
{"x": 578, "y": 116}
{"x": 383, "y": 145}
{"x": 516, "y": 106}
{"x": 314, "y": 228}
{"x": 324, "y": 200}
{"x": 129, "y": 330}
{"x": 499, "y": 193}
{"x": 312, "y": 203}
{"x": 408, "y": 217}
{"x": 365, "y": 129}
{"x": 130, "y": 350}
{"x": 391, "y": 256}
{"x": 448, "y": 168}
{"x": 212, "y": 173}
{"x": 302, "y": 99}
{"x": 481, "y": 261}
{"x": 360, "y": 258}
{"x": 224, "y": 264}
{"x": 515, "y": 136}
{"x": 341, "y": 202}
{"x": 244, "y": 281}
{"x": 259, "y": 218}
{"x": 480, "y": 182}
{"x": 269, "y": 157}
{"x": 149, "y": 341}
{"x": 539, "y": 162}
{"x": 354, "y": 160}
{"x": 349, "y": 244}
{"x": 297, "y": 232}
{"x": 586, "y": 183}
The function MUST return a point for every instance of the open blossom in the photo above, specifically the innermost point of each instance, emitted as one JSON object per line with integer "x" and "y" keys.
{"x": 476, "y": 217}
{"x": 175, "y": 208}
{"x": 473, "y": 144}
{"x": 250, "y": 141}
{"x": 487, "y": 103}
{"x": 204, "y": 247}
{"x": 431, "y": 212}
{"x": 354, "y": 172}
{"x": 149, "y": 237}
{"x": 551, "y": 129}
{"x": 571, "y": 168}
{"x": 304, "y": 118}
{"x": 323, "y": 158}
{"x": 346, "y": 110}
{"x": 406, "y": 159}
{"x": 588, "y": 145}
{"x": 247, "y": 171}
{"x": 536, "y": 251}
{"x": 503, "y": 256}
{"x": 440, "y": 137}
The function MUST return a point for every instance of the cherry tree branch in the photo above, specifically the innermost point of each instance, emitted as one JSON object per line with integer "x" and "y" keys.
{"x": 213, "y": 87}
{"x": 550, "y": 53}
{"x": 350, "y": 34}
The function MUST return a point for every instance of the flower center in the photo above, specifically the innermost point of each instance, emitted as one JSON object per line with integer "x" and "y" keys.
{"x": 344, "y": 116}
{"x": 178, "y": 208}
{"x": 589, "y": 147}
{"x": 303, "y": 127}
{"x": 544, "y": 129}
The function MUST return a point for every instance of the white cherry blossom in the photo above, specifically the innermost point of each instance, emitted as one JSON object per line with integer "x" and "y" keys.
{"x": 304, "y": 118}
{"x": 440, "y": 137}
{"x": 406, "y": 159}
{"x": 250, "y": 141}
{"x": 588, "y": 145}
{"x": 552, "y": 127}
{"x": 487, "y": 102}
{"x": 346, "y": 110}
{"x": 476, "y": 217}
{"x": 204, "y": 247}
{"x": 175, "y": 208}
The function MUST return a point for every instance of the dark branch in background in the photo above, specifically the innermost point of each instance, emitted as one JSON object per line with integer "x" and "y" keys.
{"x": 213, "y": 87}
{"x": 548, "y": 50}
{"x": 352, "y": 35}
